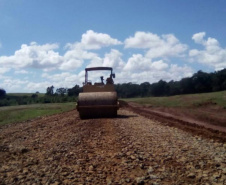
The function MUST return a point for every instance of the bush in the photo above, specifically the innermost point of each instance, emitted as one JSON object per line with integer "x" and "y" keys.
{"x": 2, "y": 93}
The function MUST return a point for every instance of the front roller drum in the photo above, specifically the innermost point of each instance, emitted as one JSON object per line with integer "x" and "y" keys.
{"x": 98, "y": 112}
{"x": 97, "y": 104}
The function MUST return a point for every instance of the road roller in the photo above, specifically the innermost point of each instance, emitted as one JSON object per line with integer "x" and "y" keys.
{"x": 98, "y": 99}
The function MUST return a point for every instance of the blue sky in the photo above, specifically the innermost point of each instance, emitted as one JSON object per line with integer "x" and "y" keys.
{"x": 50, "y": 42}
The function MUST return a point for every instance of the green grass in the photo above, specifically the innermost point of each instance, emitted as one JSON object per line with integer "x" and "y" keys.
{"x": 190, "y": 100}
{"x": 12, "y": 114}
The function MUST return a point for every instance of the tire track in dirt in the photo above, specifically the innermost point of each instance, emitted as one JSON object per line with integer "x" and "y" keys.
{"x": 186, "y": 124}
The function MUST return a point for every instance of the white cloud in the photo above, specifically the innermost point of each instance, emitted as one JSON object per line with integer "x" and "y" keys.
{"x": 114, "y": 59}
{"x": 64, "y": 79}
{"x": 158, "y": 46}
{"x": 71, "y": 64}
{"x": 96, "y": 61}
{"x": 213, "y": 55}
{"x": 33, "y": 87}
{"x": 152, "y": 63}
{"x": 21, "y": 72}
{"x": 75, "y": 56}
{"x": 14, "y": 85}
{"x": 143, "y": 40}
{"x": 45, "y": 57}
{"x": 33, "y": 55}
{"x": 93, "y": 40}
{"x": 77, "y": 52}
{"x": 176, "y": 72}
{"x": 4, "y": 70}
{"x": 198, "y": 37}
{"x": 159, "y": 65}
{"x": 138, "y": 63}
{"x": 160, "y": 70}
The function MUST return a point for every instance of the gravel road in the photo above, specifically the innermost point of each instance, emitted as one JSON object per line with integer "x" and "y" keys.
{"x": 130, "y": 149}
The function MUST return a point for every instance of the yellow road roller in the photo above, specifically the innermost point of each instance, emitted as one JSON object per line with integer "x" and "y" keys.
{"x": 98, "y": 99}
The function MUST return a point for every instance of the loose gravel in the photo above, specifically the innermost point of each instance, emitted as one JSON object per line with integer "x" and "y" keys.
{"x": 130, "y": 149}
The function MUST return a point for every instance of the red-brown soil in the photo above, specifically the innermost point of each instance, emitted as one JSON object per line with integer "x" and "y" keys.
{"x": 129, "y": 149}
{"x": 211, "y": 117}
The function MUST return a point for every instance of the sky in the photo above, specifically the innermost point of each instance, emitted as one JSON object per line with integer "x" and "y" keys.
{"x": 51, "y": 42}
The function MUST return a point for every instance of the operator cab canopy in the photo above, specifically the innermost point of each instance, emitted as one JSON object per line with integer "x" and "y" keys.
{"x": 99, "y": 76}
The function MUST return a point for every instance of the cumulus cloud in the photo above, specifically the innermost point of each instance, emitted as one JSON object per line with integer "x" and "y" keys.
{"x": 71, "y": 64}
{"x": 143, "y": 40}
{"x": 152, "y": 63}
{"x": 64, "y": 79}
{"x": 140, "y": 69}
{"x": 93, "y": 40}
{"x": 97, "y": 61}
{"x": 158, "y": 46}
{"x": 33, "y": 55}
{"x": 155, "y": 63}
{"x": 21, "y": 72}
{"x": 159, "y": 65}
{"x": 198, "y": 37}
{"x": 79, "y": 51}
{"x": 74, "y": 58}
{"x": 212, "y": 55}
{"x": 4, "y": 70}
{"x": 165, "y": 72}
{"x": 45, "y": 57}
{"x": 139, "y": 63}
{"x": 76, "y": 51}
{"x": 176, "y": 72}
{"x": 14, "y": 85}
{"x": 114, "y": 59}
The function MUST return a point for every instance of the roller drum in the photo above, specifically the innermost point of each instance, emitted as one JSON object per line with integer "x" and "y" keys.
{"x": 97, "y": 104}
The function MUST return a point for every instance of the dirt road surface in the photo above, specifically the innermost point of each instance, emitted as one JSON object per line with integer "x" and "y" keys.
{"x": 130, "y": 149}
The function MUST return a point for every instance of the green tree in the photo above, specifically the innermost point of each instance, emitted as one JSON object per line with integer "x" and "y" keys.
{"x": 74, "y": 91}
{"x": 160, "y": 88}
{"x": 61, "y": 91}
{"x": 49, "y": 90}
{"x": 145, "y": 89}
{"x": 186, "y": 86}
{"x": 2, "y": 93}
{"x": 201, "y": 82}
{"x": 34, "y": 95}
{"x": 174, "y": 88}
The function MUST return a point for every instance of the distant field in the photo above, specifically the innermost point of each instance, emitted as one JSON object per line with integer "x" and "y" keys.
{"x": 191, "y": 100}
{"x": 12, "y": 114}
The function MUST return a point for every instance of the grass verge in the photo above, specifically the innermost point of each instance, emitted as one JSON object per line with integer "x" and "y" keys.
{"x": 12, "y": 114}
{"x": 191, "y": 100}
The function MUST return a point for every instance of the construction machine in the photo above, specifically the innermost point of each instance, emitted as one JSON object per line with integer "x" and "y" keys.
{"x": 98, "y": 99}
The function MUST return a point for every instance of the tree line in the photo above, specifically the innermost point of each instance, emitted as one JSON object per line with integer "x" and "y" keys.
{"x": 61, "y": 95}
{"x": 200, "y": 82}
{"x": 74, "y": 91}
